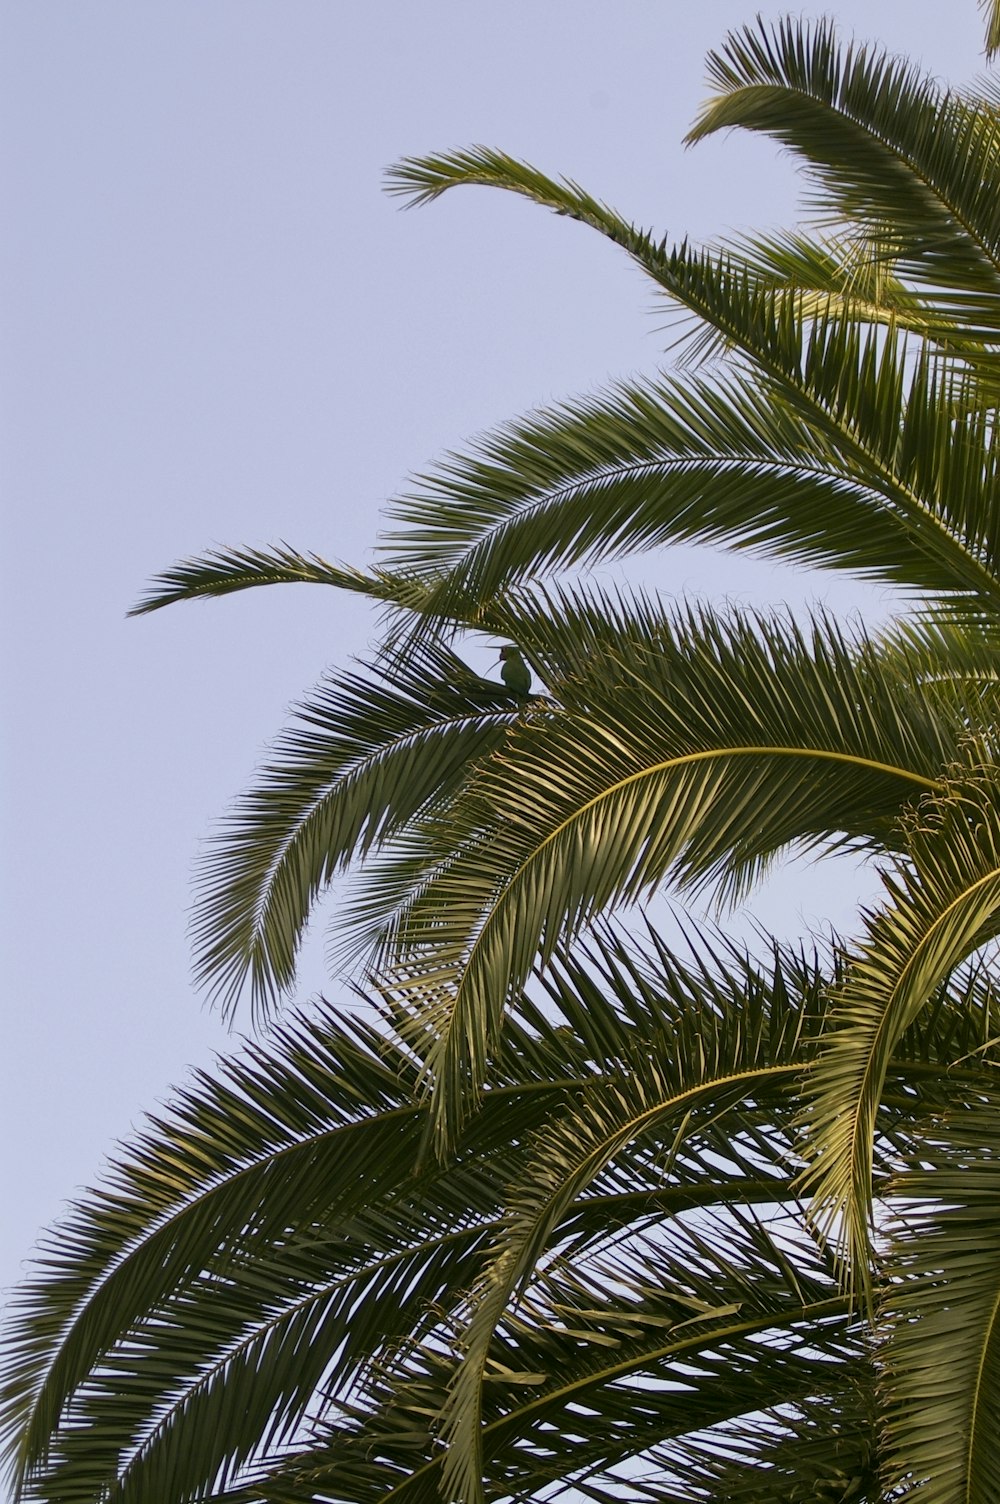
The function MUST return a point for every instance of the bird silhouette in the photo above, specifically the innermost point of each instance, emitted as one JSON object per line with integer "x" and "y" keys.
{"x": 515, "y": 672}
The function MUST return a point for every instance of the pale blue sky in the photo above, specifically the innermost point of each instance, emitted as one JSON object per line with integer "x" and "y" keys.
{"x": 217, "y": 329}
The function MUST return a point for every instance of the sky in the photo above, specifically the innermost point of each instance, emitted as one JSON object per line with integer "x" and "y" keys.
{"x": 218, "y": 329}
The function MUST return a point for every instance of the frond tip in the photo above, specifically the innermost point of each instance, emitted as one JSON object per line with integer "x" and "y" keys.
{"x": 222, "y": 571}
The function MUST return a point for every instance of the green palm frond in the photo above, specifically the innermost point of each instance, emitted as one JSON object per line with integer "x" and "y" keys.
{"x": 852, "y": 272}
{"x": 614, "y": 1308}
{"x": 579, "y": 1384}
{"x": 277, "y": 1223}
{"x": 943, "y": 903}
{"x": 223, "y": 571}
{"x": 885, "y": 148}
{"x": 846, "y": 456}
{"x": 658, "y": 1090}
{"x": 959, "y": 654}
{"x": 721, "y": 290}
{"x": 853, "y": 276}
{"x": 210, "y": 1263}
{"x": 822, "y": 1450}
{"x": 366, "y": 754}
{"x": 941, "y": 1363}
{"x": 991, "y": 10}
{"x": 608, "y": 1280}
{"x": 274, "y": 1257}
{"x": 374, "y": 753}
{"x": 420, "y": 180}
{"x": 579, "y": 1393}
{"x": 695, "y": 754}
{"x": 256, "y": 1248}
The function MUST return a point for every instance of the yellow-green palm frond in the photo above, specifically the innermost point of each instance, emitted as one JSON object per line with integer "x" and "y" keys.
{"x": 854, "y": 275}
{"x": 991, "y": 11}
{"x": 884, "y": 147}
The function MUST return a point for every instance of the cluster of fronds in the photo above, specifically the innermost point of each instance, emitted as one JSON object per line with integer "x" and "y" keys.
{"x": 579, "y": 1215}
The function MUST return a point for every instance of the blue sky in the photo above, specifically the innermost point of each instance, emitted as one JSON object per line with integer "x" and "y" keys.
{"x": 218, "y": 329}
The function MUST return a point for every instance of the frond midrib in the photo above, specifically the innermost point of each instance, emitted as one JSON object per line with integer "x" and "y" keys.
{"x": 892, "y": 149}
{"x": 881, "y": 1030}
{"x": 690, "y": 758}
{"x": 495, "y": 1300}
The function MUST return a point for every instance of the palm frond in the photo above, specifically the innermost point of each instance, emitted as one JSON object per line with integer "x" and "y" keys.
{"x": 659, "y": 1091}
{"x": 366, "y": 754}
{"x": 957, "y": 653}
{"x": 259, "y": 1246}
{"x": 884, "y": 146}
{"x": 697, "y": 754}
{"x": 627, "y": 1331}
{"x": 845, "y": 456}
{"x": 146, "y": 1314}
{"x": 991, "y": 11}
{"x": 854, "y": 276}
{"x": 254, "y": 1248}
{"x": 222, "y": 571}
{"x": 940, "y": 1365}
{"x": 603, "y": 1371}
{"x": 943, "y": 903}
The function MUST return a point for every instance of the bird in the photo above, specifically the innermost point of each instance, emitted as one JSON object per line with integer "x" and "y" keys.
{"x": 515, "y": 672}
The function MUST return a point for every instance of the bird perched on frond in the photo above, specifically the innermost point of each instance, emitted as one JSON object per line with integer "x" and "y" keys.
{"x": 515, "y": 672}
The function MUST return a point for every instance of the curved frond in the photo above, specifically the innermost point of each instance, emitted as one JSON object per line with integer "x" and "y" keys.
{"x": 628, "y": 1333}
{"x": 564, "y": 1218}
{"x": 149, "y": 1312}
{"x": 695, "y": 752}
{"x": 940, "y": 1366}
{"x": 943, "y": 903}
{"x": 258, "y": 1248}
{"x": 251, "y": 1252}
{"x": 225, "y": 570}
{"x": 884, "y": 146}
{"x": 659, "y": 1089}
{"x": 366, "y": 754}
{"x": 269, "y": 1299}
{"x": 849, "y": 459}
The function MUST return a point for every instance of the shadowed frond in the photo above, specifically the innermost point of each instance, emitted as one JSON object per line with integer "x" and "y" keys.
{"x": 259, "y": 1247}
{"x": 251, "y": 1251}
{"x": 145, "y": 1314}
{"x": 943, "y": 904}
{"x": 940, "y": 1367}
{"x": 653, "y": 1311}
{"x": 659, "y": 1092}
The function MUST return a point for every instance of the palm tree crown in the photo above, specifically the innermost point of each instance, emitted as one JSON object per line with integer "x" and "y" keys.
{"x": 584, "y": 1210}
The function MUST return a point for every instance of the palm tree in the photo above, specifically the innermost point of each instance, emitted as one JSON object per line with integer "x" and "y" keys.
{"x": 579, "y": 1212}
